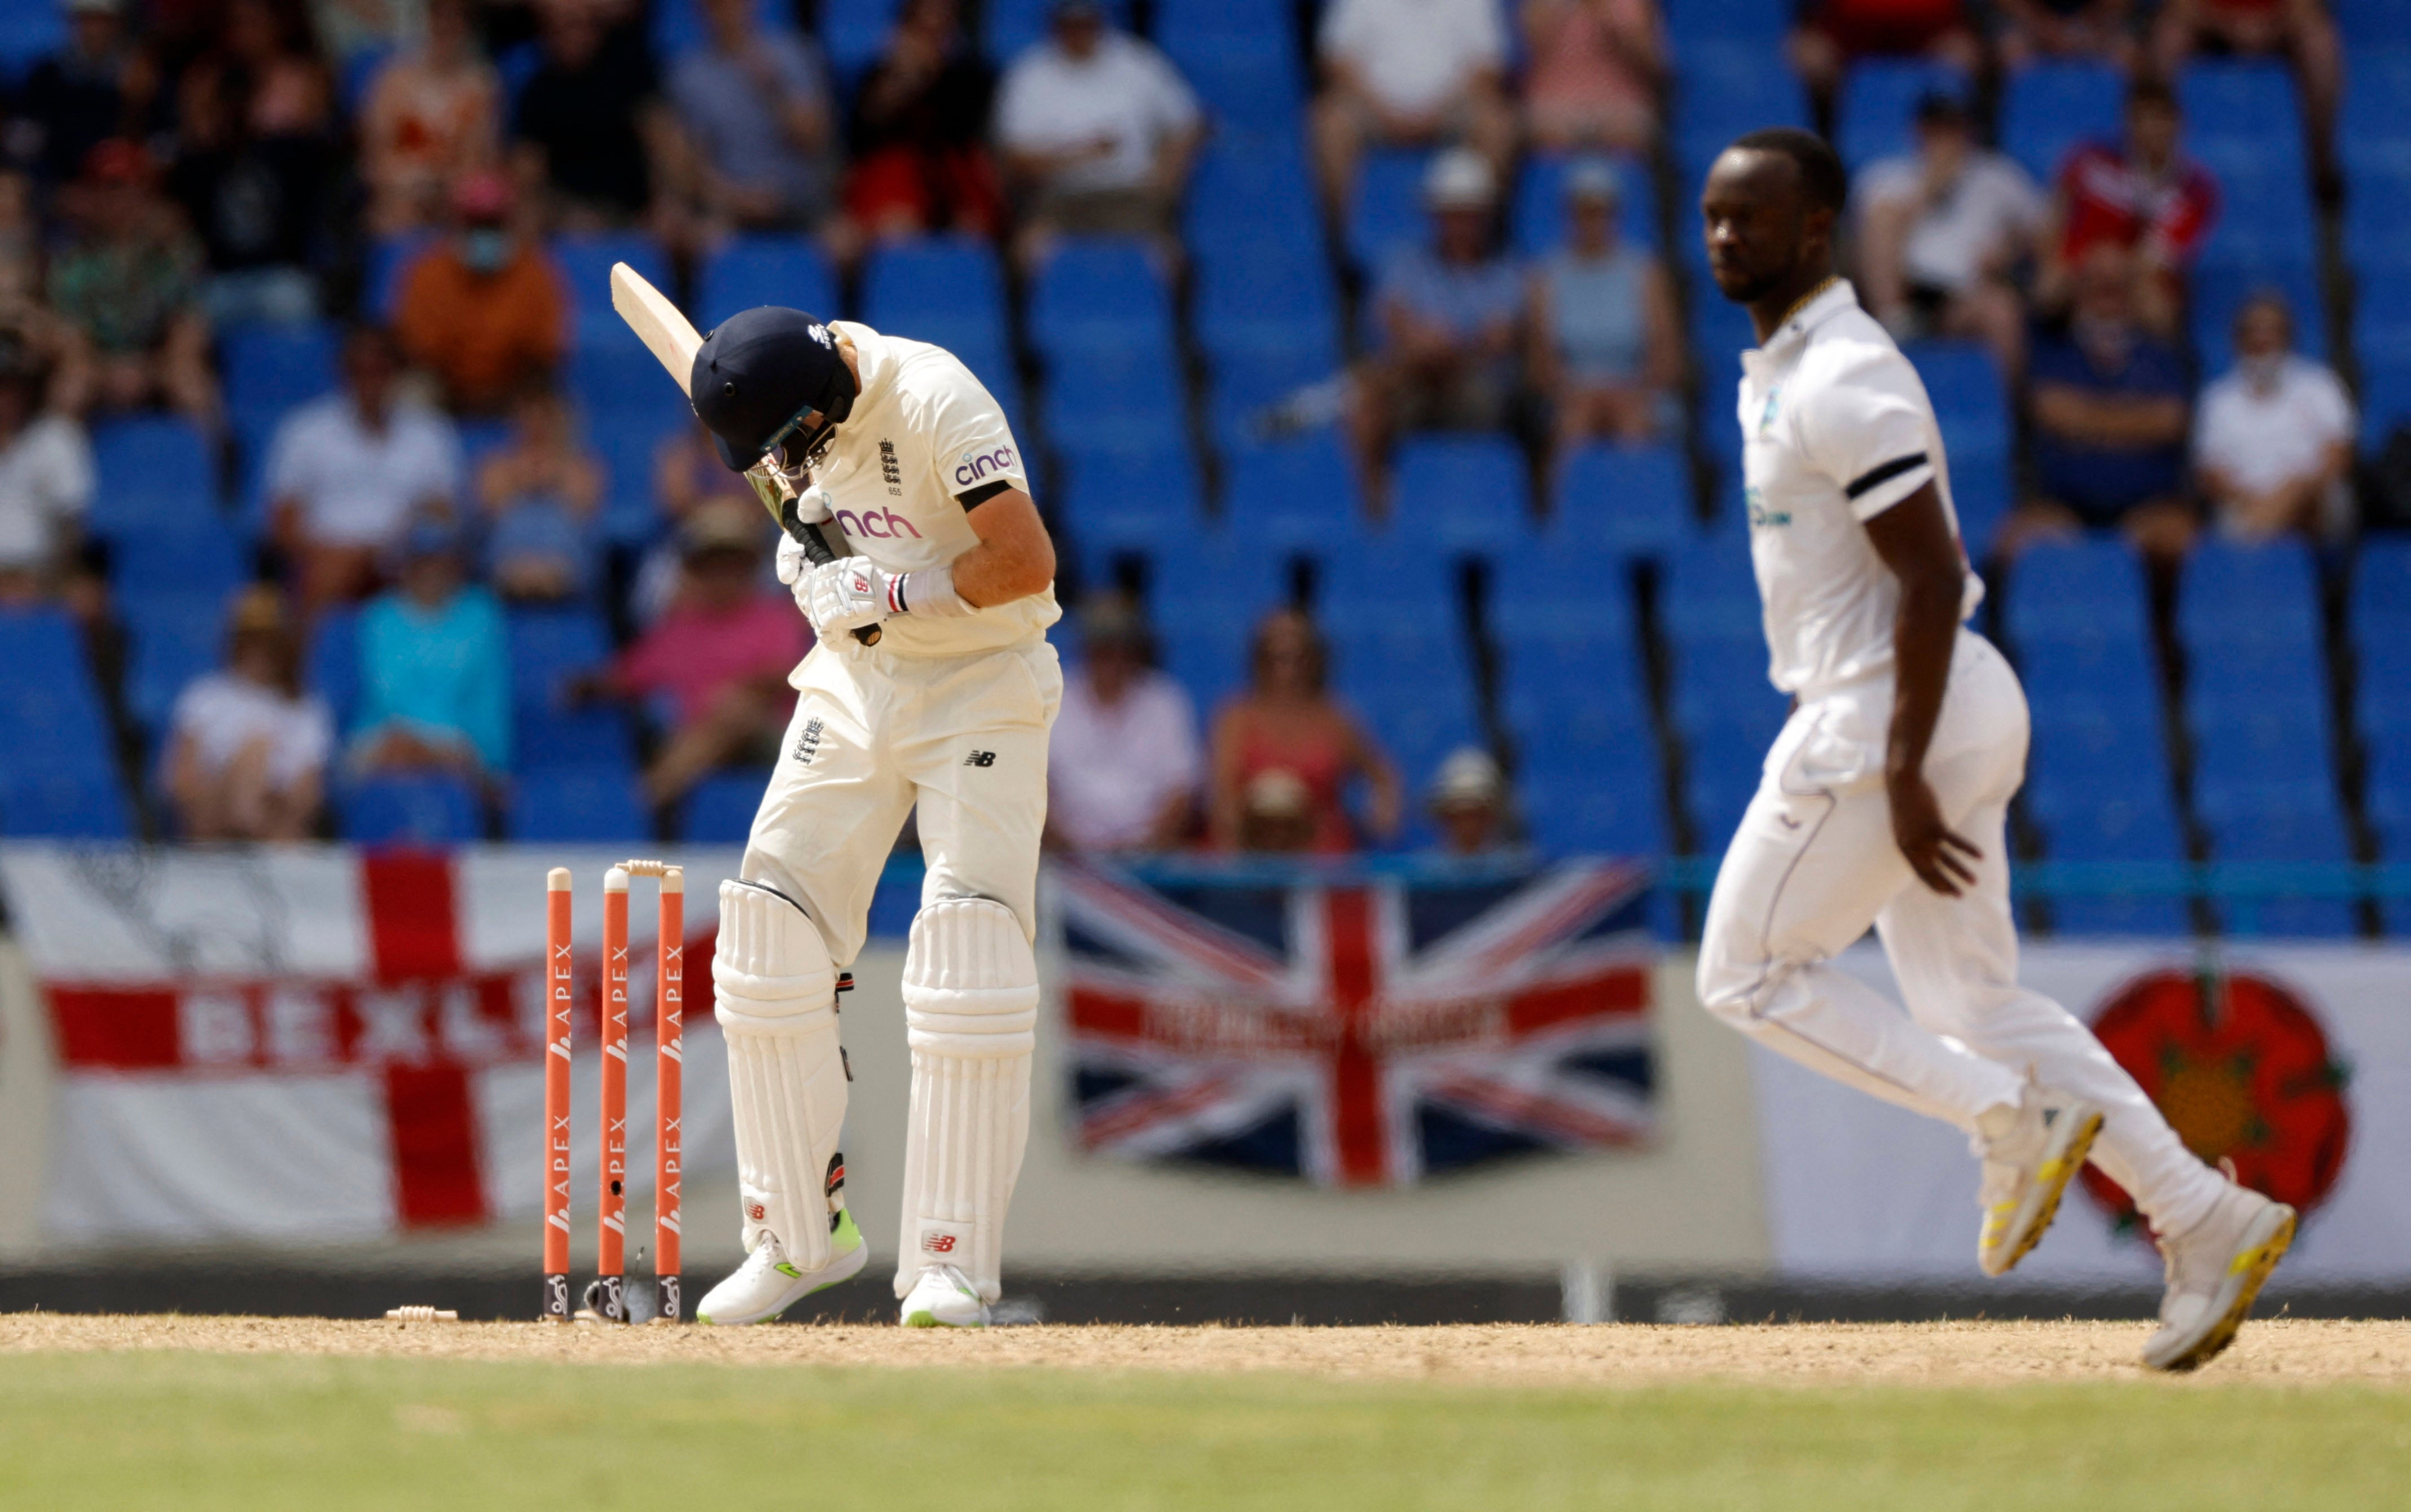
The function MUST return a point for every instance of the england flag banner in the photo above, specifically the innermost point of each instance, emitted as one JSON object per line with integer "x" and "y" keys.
{"x": 319, "y": 1044}
{"x": 1364, "y": 1032}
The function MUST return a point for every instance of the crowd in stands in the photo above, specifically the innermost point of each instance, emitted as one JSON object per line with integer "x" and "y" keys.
{"x": 1409, "y": 286}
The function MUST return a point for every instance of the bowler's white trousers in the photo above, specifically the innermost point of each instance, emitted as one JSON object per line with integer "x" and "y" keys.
{"x": 1814, "y": 863}
{"x": 964, "y": 736}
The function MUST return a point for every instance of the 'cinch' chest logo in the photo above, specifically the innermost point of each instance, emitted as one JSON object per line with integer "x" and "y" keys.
{"x": 1762, "y": 518}
{"x": 978, "y": 463}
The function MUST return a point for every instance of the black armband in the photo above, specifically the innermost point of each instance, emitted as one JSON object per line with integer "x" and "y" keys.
{"x": 981, "y": 495}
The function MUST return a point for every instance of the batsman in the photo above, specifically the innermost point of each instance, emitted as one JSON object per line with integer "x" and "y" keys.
{"x": 932, "y": 684}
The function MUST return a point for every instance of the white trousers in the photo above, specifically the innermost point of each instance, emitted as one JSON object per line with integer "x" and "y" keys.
{"x": 1814, "y": 863}
{"x": 964, "y": 737}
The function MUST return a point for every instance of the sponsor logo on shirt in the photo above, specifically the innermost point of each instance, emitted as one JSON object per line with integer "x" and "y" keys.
{"x": 888, "y": 467}
{"x": 1759, "y": 515}
{"x": 808, "y": 744}
{"x": 981, "y": 463}
{"x": 876, "y": 525}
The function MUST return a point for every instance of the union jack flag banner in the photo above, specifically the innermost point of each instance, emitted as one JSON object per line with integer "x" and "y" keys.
{"x": 1358, "y": 1032}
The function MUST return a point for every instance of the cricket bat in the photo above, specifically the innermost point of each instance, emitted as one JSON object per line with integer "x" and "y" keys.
{"x": 671, "y": 338}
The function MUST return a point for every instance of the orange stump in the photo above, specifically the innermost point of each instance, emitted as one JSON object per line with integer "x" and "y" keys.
{"x": 670, "y": 1020}
{"x": 558, "y": 991}
{"x": 611, "y": 1226}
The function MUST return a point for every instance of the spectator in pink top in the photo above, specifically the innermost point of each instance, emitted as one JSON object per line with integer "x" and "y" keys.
{"x": 719, "y": 658}
{"x": 1596, "y": 71}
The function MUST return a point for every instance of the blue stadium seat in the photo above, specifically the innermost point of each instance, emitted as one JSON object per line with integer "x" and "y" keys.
{"x": 1471, "y": 492}
{"x": 154, "y": 474}
{"x": 1379, "y": 578}
{"x": 573, "y": 804}
{"x": 2093, "y": 821}
{"x": 1098, "y": 293}
{"x": 176, "y": 637}
{"x": 2243, "y": 115}
{"x": 331, "y": 666}
{"x": 1292, "y": 493}
{"x": 1718, "y": 781}
{"x": 2233, "y": 594}
{"x": 548, "y": 647}
{"x": 205, "y": 557}
{"x": 1386, "y": 209}
{"x": 1970, "y": 397}
{"x": 63, "y": 778}
{"x": 914, "y": 288}
{"x": 1248, "y": 80}
{"x": 1709, "y": 591}
{"x": 409, "y": 810}
{"x": 1598, "y": 814}
{"x": 2377, "y": 229}
{"x": 1575, "y": 700}
{"x": 720, "y": 810}
{"x": 1132, "y": 498}
{"x": 1410, "y": 682}
{"x": 2369, "y": 26}
{"x": 2220, "y": 292}
{"x": 2373, "y": 136}
{"x": 1562, "y": 588}
{"x": 2077, "y": 590}
{"x": 2281, "y": 822}
{"x": 1722, "y": 700}
{"x": 854, "y": 33}
{"x": 1731, "y": 84}
{"x": 790, "y": 270}
{"x": 1110, "y": 385}
{"x": 1635, "y": 499}
{"x": 1255, "y": 368}
{"x": 1224, "y": 580}
{"x": 2049, "y": 108}
{"x": 1878, "y": 103}
{"x": 678, "y": 25}
{"x": 1176, "y": 21}
{"x": 2388, "y": 805}
{"x": 1537, "y": 218}
{"x": 1014, "y": 26}
{"x": 87, "y": 804}
{"x": 585, "y": 262}
{"x": 271, "y": 369}
{"x": 28, "y": 32}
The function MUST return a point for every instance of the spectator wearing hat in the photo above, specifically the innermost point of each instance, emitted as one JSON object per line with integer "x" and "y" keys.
{"x": 1597, "y": 71}
{"x": 2107, "y": 407}
{"x": 1940, "y": 233}
{"x": 754, "y": 106}
{"x": 716, "y": 662}
{"x": 1123, "y": 764}
{"x": 1098, "y": 131}
{"x": 129, "y": 281}
{"x": 78, "y": 97}
{"x": 539, "y": 494}
{"x": 436, "y": 683}
{"x": 2142, "y": 194}
{"x": 1287, "y": 723}
{"x": 589, "y": 128}
{"x": 1834, "y": 34}
{"x": 1448, "y": 317}
{"x": 483, "y": 310}
{"x": 246, "y": 752}
{"x": 919, "y": 133}
{"x": 1409, "y": 73}
{"x": 1468, "y": 803}
{"x": 2273, "y": 440}
{"x": 2027, "y": 32}
{"x": 433, "y": 117}
{"x": 46, "y": 485}
{"x": 1606, "y": 349}
{"x": 346, "y": 474}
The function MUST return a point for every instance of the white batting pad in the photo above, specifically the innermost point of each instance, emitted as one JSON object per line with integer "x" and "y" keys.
{"x": 971, "y": 1009}
{"x": 775, "y": 995}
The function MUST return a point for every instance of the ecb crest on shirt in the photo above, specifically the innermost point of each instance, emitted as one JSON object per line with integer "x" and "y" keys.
{"x": 1358, "y": 1033}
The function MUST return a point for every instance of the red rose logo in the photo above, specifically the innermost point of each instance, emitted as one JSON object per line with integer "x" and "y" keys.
{"x": 2243, "y": 1071}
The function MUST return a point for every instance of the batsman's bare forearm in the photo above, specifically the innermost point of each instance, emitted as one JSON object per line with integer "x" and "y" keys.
{"x": 1913, "y": 537}
{"x": 1014, "y": 557}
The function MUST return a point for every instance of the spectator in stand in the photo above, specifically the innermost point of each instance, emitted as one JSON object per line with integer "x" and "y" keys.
{"x": 1098, "y": 131}
{"x": 539, "y": 494}
{"x": 2299, "y": 30}
{"x": 1597, "y": 73}
{"x": 1448, "y": 319}
{"x": 2144, "y": 195}
{"x": 2273, "y": 446}
{"x": 1287, "y": 723}
{"x": 1942, "y": 233}
{"x": 2108, "y": 412}
{"x": 255, "y": 162}
{"x": 357, "y": 32}
{"x": 1278, "y": 815}
{"x": 130, "y": 282}
{"x": 1409, "y": 73}
{"x": 1123, "y": 763}
{"x": 433, "y": 116}
{"x": 1833, "y": 34}
{"x": 45, "y": 483}
{"x": 755, "y": 108}
{"x": 1606, "y": 348}
{"x": 484, "y": 310}
{"x": 719, "y": 658}
{"x": 435, "y": 679}
{"x": 73, "y": 100}
{"x": 919, "y": 133}
{"x": 688, "y": 477}
{"x": 2035, "y": 31}
{"x": 589, "y": 128}
{"x": 1468, "y": 803}
{"x": 246, "y": 750}
{"x": 346, "y": 474}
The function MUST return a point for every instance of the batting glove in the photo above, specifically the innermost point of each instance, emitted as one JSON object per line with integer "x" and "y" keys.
{"x": 843, "y": 595}
{"x": 812, "y": 508}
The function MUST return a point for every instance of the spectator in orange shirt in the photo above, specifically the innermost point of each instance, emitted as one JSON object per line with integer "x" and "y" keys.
{"x": 484, "y": 310}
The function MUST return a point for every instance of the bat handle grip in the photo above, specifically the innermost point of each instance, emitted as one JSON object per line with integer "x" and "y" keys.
{"x": 816, "y": 551}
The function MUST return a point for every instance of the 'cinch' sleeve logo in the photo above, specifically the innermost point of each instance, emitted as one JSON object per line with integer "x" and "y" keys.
{"x": 979, "y": 463}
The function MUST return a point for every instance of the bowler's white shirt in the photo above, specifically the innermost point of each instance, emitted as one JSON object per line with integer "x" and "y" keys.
{"x": 1111, "y": 768}
{"x": 923, "y": 432}
{"x": 1124, "y": 92}
{"x": 2261, "y": 438}
{"x": 1836, "y": 428}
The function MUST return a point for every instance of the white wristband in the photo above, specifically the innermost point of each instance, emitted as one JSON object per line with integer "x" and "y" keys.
{"x": 930, "y": 591}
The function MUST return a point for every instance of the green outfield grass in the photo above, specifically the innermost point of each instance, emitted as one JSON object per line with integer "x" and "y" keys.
{"x": 200, "y": 1432}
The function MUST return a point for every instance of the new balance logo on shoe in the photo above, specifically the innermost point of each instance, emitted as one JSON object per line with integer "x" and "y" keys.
{"x": 980, "y": 758}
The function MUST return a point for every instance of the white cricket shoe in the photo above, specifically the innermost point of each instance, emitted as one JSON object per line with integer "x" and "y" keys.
{"x": 942, "y": 1298}
{"x": 2027, "y": 1167}
{"x": 766, "y": 1285}
{"x": 2214, "y": 1272}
